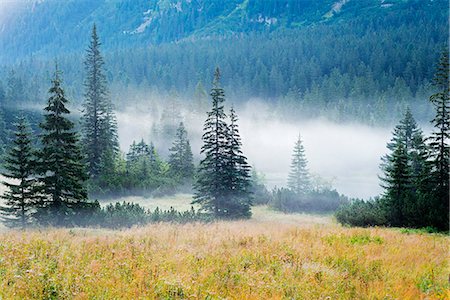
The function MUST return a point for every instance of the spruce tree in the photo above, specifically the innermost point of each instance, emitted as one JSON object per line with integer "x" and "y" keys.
{"x": 200, "y": 98}
{"x": 60, "y": 163}
{"x": 20, "y": 195}
{"x": 238, "y": 173}
{"x": 99, "y": 125}
{"x": 211, "y": 188}
{"x": 438, "y": 142}
{"x": 181, "y": 160}
{"x": 298, "y": 180}
{"x": 398, "y": 187}
{"x": 411, "y": 204}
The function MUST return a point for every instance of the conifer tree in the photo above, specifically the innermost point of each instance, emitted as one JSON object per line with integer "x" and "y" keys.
{"x": 298, "y": 180}
{"x": 20, "y": 195}
{"x": 99, "y": 123}
{"x": 438, "y": 142}
{"x": 60, "y": 163}
{"x": 181, "y": 160}
{"x": 398, "y": 188}
{"x": 200, "y": 98}
{"x": 238, "y": 173}
{"x": 411, "y": 204}
{"x": 211, "y": 188}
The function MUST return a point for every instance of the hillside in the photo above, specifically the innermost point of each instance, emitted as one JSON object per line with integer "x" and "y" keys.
{"x": 43, "y": 28}
{"x": 364, "y": 60}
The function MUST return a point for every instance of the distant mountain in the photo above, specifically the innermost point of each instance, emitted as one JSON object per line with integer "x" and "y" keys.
{"x": 365, "y": 59}
{"x": 49, "y": 27}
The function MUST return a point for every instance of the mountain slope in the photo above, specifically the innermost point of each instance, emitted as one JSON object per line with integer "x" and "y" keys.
{"x": 49, "y": 27}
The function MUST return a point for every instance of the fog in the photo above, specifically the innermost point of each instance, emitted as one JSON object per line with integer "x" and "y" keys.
{"x": 347, "y": 156}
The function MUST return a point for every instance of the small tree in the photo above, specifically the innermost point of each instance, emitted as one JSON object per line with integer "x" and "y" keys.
{"x": 298, "y": 180}
{"x": 60, "y": 163}
{"x": 19, "y": 168}
{"x": 181, "y": 160}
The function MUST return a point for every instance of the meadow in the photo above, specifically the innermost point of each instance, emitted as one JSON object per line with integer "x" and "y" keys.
{"x": 271, "y": 256}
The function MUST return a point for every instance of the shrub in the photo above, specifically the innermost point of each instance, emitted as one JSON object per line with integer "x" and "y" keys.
{"x": 320, "y": 201}
{"x": 362, "y": 213}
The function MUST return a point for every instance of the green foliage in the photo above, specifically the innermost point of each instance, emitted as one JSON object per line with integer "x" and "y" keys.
{"x": 439, "y": 145}
{"x": 350, "y": 65}
{"x": 298, "y": 180}
{"x": 416, "y": 174}
{"x": 126, "y": 214}
{"x": 19, "y": 166}
{"x": 181, "y": 160}
{"x": 99, "y": 126}
{"x": 60, "y": 165}
{"x": 362, "y": 213}
{"x": 261, "y": 195}
{"x": 140, "y": 172}
{"x": 123, "y": 215}
{"x": 223, "y": 179}
{"x": 318, "y": 201}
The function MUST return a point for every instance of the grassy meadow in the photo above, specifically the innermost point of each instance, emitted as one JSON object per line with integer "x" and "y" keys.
{"x": 271, "y": 256}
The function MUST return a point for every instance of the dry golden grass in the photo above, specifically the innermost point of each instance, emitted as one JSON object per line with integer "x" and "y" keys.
{"x": 226, "y": 260}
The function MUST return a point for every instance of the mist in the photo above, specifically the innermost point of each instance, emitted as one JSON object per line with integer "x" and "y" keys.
{"x": 345, "y": 156}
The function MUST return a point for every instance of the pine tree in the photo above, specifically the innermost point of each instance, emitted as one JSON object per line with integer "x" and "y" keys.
{"x": 200, "y": 98}
{"x": 181, "y": 160}
{"x": 397, "y": 185}
{"x": 238, "y": 173}
{"x": 438, "y": 142}
{"x": 99, "y": 122}
{"x": 412, "y": 202}
{"x": 60, "y": 163}
{"x": 298, "y": 180}
{"x": 211, "y": 186}
{"x": 19, "y": 168}
{"x": 171, "y": 116}
{"x": 15, "y": 92}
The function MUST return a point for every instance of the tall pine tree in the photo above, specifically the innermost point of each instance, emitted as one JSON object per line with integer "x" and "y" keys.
{"x": 410, "y": 205}
{"x": 398, "y": 187}
{"x": 211, "y": 188}
{"x": 181, "y": 160}
{"x": 99, "y": 122}
{"x": 298, "y": 180}
{"x": 238, "y": 173}
{"x": 20, "y": 195}
{"x": 60, "y": 163}
{"x": 223, "y": 181}
{"x": 438, "y": 142}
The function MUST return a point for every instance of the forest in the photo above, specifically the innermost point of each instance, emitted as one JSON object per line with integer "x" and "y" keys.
{"x": 194, "y": 149}
{"x": 54, "y": 181}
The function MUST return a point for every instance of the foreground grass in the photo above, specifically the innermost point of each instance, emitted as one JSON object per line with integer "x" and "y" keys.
{"x": 234, "y": 260}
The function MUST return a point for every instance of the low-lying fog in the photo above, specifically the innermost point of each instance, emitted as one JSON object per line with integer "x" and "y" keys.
{"x": 345, "y": 155}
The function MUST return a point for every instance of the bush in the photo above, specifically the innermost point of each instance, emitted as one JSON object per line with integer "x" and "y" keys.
{"x": 320, "y": 201}
{"x": 126, "y": 214}
{"x": 123, "y": 215}
{"x": 362, "y": 213}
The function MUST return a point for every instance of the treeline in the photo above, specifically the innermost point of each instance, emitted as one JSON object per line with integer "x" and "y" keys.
{"x": 142, "y": 171}
{"x": 126, "y": 215}
{"x": 415, "y": 172}
{"x": 48, "y": 184}
{"x": 357, "y": 68}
